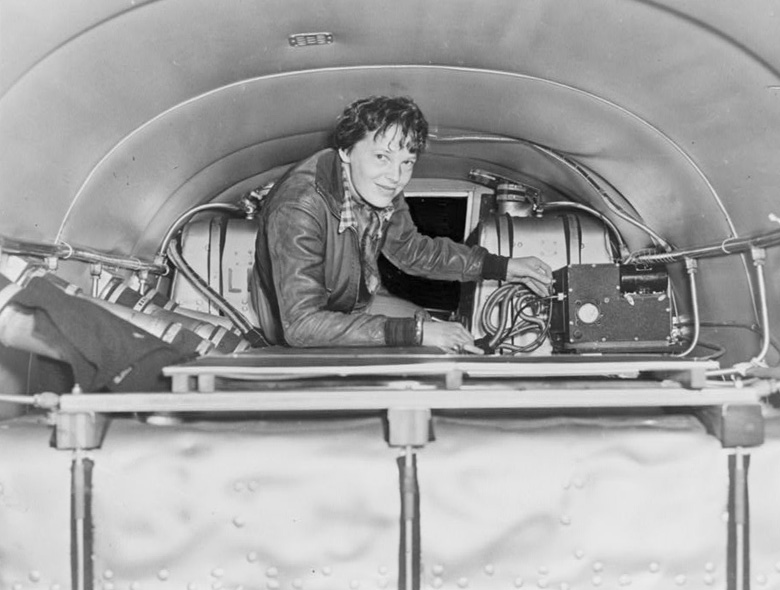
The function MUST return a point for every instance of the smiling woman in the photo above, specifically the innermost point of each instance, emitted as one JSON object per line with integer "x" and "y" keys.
{"x": 323, "y": 225}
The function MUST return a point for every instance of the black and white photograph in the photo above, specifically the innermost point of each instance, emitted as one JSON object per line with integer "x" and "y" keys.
{"x": 411, "y": 295}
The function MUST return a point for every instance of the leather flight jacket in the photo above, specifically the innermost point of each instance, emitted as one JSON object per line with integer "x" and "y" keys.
{"x": 306, "y": 281}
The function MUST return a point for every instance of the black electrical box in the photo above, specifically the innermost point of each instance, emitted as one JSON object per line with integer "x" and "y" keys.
{"x": 611, "y": 308}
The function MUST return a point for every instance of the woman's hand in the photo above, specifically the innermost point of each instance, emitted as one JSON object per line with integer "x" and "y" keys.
{"x": 533, "y": 272}
{"x": 450, "y": 337}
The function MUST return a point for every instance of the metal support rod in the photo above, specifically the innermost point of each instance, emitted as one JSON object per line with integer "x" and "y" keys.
{"x": 79, "y": 511}
{"x": 408, "y": 512}
{"x": 738, "y": 576}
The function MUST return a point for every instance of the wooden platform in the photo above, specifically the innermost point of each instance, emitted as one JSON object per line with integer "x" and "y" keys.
{"x": 453, "y": 370}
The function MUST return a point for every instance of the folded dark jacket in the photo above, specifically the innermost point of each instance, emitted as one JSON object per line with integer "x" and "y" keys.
{"x": 106, "y": 353}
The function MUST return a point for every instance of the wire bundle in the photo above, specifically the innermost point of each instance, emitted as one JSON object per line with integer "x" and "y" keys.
{"x": 517, "y": 312}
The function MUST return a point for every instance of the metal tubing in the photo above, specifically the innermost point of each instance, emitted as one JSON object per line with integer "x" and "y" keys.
{"x": 63, "y": 251}
{"x": 759, "y": 258}
{"x": 727, "y": 247}
{"x": 691, "y": 265}
{"x": 187, "y": 215}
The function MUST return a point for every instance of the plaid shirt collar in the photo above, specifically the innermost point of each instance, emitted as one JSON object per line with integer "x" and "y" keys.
{"x": 348, "y": 216}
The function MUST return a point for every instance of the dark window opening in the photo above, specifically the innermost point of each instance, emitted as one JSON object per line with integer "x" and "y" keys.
{"x": 434, "y": 216}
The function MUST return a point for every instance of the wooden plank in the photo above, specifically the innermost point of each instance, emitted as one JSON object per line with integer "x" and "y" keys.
{"x": 359, "y": 399}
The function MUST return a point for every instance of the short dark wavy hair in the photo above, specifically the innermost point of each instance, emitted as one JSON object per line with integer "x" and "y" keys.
{"x": 376, "y": 114}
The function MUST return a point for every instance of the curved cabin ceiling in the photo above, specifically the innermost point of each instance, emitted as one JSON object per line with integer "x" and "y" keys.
{"x": 116, "y": 116}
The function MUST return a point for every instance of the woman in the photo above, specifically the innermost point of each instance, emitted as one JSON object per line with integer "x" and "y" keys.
{"x": 324, "y": 223}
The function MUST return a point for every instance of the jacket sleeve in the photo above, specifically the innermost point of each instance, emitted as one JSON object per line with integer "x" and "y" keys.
{"x": 437, "y": 258}
{"x": 296, "y": 233}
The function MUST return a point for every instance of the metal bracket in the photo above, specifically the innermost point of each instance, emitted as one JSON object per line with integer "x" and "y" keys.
{"x": 734, "y": 425}
{"x": 409, "y": 427}
{"x": 79, "y": 430}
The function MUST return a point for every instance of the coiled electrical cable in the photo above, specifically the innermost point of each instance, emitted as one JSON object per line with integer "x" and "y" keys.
{"x": 517, "y": 312}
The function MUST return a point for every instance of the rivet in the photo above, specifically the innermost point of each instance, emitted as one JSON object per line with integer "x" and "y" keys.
{"x": 543, "y": 570}
{"x": 579, "y": 553}
{"x": 579, "y": 483}
{"x": 17, "y": 586}
{"x": 542, "y": 583}
{"x": 326, "y": 571}
{"x": 761, "y": 579}
{"x": 135, "y": 586}
{"x": 624, "y": 580}
{"x": 218, "y": 572}
{"x": 437, "y": 582}
{"x": 489, "y": 569}
{"x": 382, "y": 570}
{"x": 598, "y": 566}
{"x": 163, "y": 574}
{"x": 108, "y": 586}
{"x": 709, "y": 579}
{"x": 438, "y": 569}
{"x": 596, "y": 580}
{"x": 192, "y": 586}
{"x": 238, "y": 522}
{"x": 709, "y": 567}
{"x": 565, "y": 520}
{"x": 272, "y": 584}
{"x": 680, "y": 579}
{"x": 239, "y": 486}
{"x": 55, "y": 586}
{"x": 518, "y": 582}
{"x": 272, "y": 572}
{"x": 566, "y": 485}
{"x": 297, "y": 583}
{"x": 354, "y": 584}
{"x": 654, "y": 567}
{"x": 463, "y": 582}
{"x": 382, "y": 583}
{"x": 724, "y": 517}
{"x": 252, "y": 556}
{"x": 108, "y": 574}
{"x": 216, "y": 585}
{"x": 253, "y": 485}
{"x": 35, "y": 576}
{"x": 565, "y": 586}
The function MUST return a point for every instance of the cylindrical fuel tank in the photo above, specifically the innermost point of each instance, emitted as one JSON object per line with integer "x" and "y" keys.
{"x": 559, "y": 238}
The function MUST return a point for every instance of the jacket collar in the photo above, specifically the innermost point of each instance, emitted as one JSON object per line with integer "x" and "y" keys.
{"x": 328, "y": 179}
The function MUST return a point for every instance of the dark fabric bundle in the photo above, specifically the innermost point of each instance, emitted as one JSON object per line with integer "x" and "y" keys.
{"x": 106, "y": 353}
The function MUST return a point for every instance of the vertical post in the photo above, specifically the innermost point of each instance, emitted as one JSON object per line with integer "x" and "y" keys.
{"x": 408, "y": 429}
{"x": 408, "y": 509}
{"x": 739, "y": 532}
{"x": 81, "y": 525}
{"x": 79, "y": 432}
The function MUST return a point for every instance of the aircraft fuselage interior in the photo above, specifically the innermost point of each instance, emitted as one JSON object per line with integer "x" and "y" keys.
{"x": 621, "y": 431}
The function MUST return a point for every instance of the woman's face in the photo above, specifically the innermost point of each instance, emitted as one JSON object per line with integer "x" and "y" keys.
{"x": 379, "y": 167}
